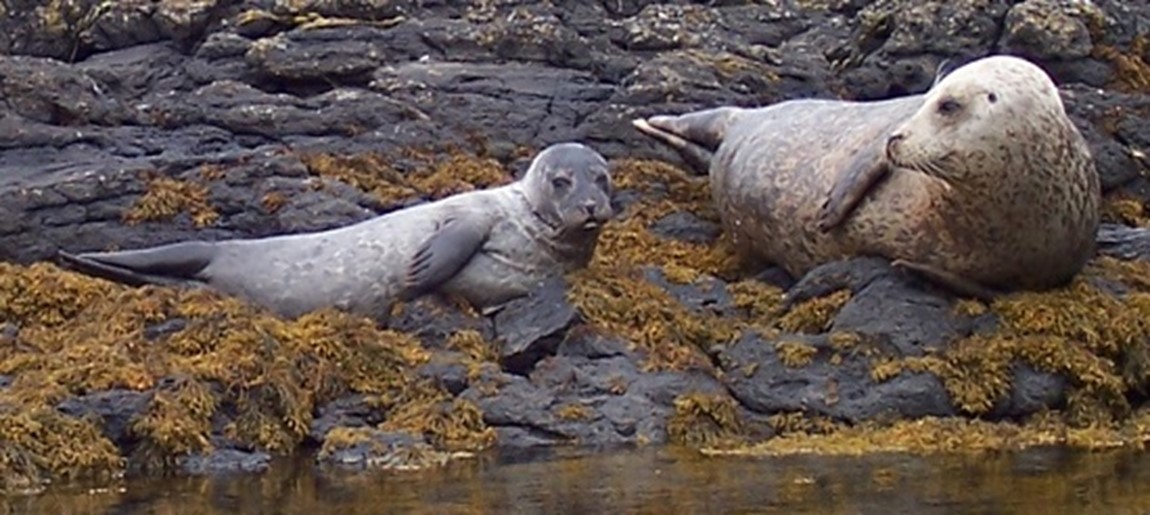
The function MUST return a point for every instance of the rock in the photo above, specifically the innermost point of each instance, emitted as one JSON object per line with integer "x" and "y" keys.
{"x": 434, "y": 321}
{"x": 98, "y": 99}
{"x": 222, "y": 461}
{"x": 348, "y": 411}
{"x": 1124, "y": 242}
{"x": 1050, "y": 29}
{"x": 582, "y": 341}
{"x": 685, "y": 226}
{"x": 833, "y": 384}
{"x": 592, "y": 402}
{"x": 384, "y": 450}
{"x": 853, "y": 274}
{"x": 1031, "y": 391}
{"x": 447, "y": 369}
{"x": 114, "y": 408}
{"x": 531, "y": 327}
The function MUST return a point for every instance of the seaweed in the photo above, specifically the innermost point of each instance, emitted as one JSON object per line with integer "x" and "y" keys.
{"x": 265, "y": 374}
{"x": 705, "y": 420}
{"x": 167, "y": 197}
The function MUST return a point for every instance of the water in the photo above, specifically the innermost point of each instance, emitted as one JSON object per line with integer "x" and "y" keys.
{"x": 1046, "y": 482}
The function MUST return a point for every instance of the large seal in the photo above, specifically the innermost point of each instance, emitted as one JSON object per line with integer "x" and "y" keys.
{"x": 486, "y": 246}
{"x": 982, "y": 184}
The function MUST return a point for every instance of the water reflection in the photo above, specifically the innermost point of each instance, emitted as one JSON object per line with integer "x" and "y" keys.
{"x": 647, "y": 481}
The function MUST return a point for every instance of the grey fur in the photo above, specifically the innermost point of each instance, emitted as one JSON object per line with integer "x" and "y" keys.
{"x": 487, "y": 246}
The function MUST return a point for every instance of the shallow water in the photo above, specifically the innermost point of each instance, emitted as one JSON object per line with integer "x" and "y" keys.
{"x": 646, "y": 481}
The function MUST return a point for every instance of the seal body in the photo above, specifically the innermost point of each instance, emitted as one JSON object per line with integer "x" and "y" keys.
{"x": 486, "y": 246}
{"x": 982, "y": 183}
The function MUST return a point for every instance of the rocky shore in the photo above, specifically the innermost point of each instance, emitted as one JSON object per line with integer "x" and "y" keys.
{"x": 126, "y": 124}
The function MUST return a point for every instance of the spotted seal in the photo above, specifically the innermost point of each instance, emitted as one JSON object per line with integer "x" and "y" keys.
{"x": 982, "y": 184}
{"x": 486, "y": 246}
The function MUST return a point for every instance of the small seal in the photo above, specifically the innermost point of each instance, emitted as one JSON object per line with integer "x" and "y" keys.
{"x": 486, "y": 246}
{"x": 982, "y": 184}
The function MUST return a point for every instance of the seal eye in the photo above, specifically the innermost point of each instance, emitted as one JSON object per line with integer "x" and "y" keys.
{"x": 560, "y": 183}
{"x": 601, "y": 182}
{"x": 949, "y": 106}
{"x": 992, "y": 97}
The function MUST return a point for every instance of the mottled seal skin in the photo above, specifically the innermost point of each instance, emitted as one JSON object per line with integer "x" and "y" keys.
{"x": 486, "y": 246}
{"x": 982, "y": 184}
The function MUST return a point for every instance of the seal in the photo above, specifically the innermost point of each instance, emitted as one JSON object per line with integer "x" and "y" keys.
{"x": 487, "y": 246}
{"x": 982, "y": 184}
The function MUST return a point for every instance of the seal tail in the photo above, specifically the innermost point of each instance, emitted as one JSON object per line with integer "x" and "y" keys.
{"x": 172, "y": 264}
{"x": 694, "y": 135}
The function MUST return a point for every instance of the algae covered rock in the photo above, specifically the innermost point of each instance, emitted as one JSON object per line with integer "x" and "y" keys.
{"x": 131, "y": 124}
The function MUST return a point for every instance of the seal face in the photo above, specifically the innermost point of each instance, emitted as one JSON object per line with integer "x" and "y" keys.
{"x": 982, "y": 184}
{"x": 486, "y": 246}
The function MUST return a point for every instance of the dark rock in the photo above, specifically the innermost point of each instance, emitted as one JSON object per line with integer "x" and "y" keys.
{"x": 606, "y": 401}
{"x": 94, "y": 95}
{"x": 585, "y": 342}
{"x": 115, "y": 409}
{"x": 165, "y": 328}
{"x": 1031, "y": 391}
{"x": 5, "y": 381}
{"x": 1124, "y": 242}
{"x": 434, "y": 321}
{"x": 685, "y": 226}
{"x": 1049, "y": 29}
{"x": 707, "y": 294}
{"x": 757, "y": 377}
{"x": 348, "y": 411}
{"x": 852, "y": 274}
{"x": 909, "y": 319}
{"x": 383, "y": 450}
{"x": 447, "y": 369}
{"x": 224, "y": 461}
{"x": 531, "y": 327}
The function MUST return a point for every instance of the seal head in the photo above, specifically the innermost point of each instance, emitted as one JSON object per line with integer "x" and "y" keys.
{"x": 569, "y": 188}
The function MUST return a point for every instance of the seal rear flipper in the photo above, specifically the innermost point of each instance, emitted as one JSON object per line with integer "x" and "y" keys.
{"x": 954, "y": 283}
{"x": 172, "y": 264}
{"x": 696, "y": 136}
{"x": 852, "y": 185}
{"x": 443, "y": 255}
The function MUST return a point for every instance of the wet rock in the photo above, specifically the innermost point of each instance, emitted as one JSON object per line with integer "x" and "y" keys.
{"x": 853, "y": 274}
{"x": 222, "y": 461}
{"x": 1124, "y": 242}
{"x": 685, "y": 226}
{"x": 175, "y": 87}
{"x": 1031, "y": 391}
{"x": 434, "y": 320}
{"x": 833, "y": 384}
{"x": 1050, "y": 29}
{"x": 907, "y": 316}
{"x": 707, "y": 294}
{"x": 530, "y": 328}
{"x": 585, "y": 342}
{"x": 447, "y": 369}
{"x": 576, "y": 400}
{"x": 348, "y": 411}
{"x": 385, "y": 450}
{"x": 115, "y": 409}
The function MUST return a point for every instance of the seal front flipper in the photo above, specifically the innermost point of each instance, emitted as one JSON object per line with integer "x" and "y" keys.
{"x": 444, "y": 254}
{"x": 175, "y": 263}
{"x": 852, "y": 185}
{"x": 956, "y": 284}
